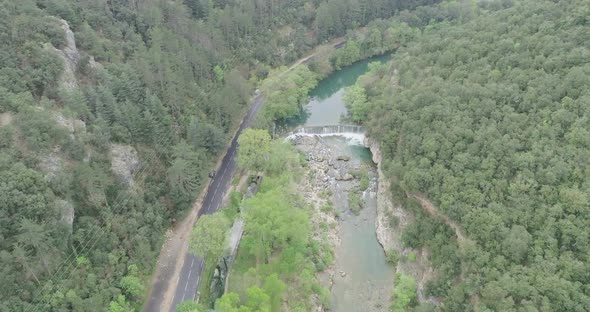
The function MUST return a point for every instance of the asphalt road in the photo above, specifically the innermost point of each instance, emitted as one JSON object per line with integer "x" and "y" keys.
{"x": 190, "y": 275}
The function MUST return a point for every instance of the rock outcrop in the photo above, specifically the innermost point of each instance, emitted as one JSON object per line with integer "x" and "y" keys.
{"x": 124, "y": 162}
{"x": 345, "y": 177}
{"x": 385, "y": 234}
{"x": 70, "y": 55}
{"x": 51, "y": 164}
{"x": 73, "y": 126}
{"x": 6, "y": 119}
{"x": 389, "y": 233}
{"x": 67, "y": 212}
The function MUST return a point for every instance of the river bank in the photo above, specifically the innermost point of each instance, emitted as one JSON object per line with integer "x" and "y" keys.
{"x": 337, "y": 172}
{"x": 390, "y": 222}
{"x": 348, "y": 278}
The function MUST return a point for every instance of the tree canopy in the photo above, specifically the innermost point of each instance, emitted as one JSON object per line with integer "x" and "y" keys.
{"x": 277, "y": 248}
{"x": 254, "y": 148}
{"x": 487, "y": 118}
{"x": 209, "y": 236}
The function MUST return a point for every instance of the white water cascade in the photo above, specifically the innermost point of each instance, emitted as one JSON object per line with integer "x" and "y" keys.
{"x": 354, "y": 134}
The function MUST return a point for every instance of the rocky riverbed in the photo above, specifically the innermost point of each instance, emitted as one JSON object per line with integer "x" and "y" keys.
{"x": 338, "y": 172}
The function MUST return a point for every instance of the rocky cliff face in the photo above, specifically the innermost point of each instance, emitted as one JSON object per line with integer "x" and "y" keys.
{"x": 67, "y": 213}
{"x": 385, "y": 232}
{"x": 71, "y": 57}
{"x": 390, "y": 223}
{"x": 124, "y": 162}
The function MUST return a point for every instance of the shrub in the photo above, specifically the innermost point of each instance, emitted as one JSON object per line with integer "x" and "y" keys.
{"x": 392, "y": 256}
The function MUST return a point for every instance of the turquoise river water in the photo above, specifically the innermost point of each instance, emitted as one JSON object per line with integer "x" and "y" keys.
{"x": 363, "y": 280}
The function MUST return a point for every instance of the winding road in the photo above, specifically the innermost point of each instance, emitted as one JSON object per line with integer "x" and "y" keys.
{"x": 190, "y": 273}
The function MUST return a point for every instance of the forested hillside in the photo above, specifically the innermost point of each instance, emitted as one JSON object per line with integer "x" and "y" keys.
{"x": 489, "y": 120}
{"x": 111, "y": 114}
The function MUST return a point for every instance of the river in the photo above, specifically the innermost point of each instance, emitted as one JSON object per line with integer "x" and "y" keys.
{"x": 325, "y": 106}
{"x": 363, "y": 280}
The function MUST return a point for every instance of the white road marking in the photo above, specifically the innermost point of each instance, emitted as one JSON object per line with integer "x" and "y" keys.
{"x": 174, "y": 297}
{"x": 188, "y": 279}
{"x": 198, "y": 280}
{"x": 215, "y": 193}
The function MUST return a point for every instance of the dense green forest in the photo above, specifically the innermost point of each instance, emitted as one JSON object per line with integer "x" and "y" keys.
{"x": 104, "y": 144}
{"x": 489, "y": 119}
{"x": 286, "y": 91}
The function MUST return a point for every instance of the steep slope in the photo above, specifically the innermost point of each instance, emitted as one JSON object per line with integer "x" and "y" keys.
{"x": 489, "y": 121}
{"x": 112, "y": 113}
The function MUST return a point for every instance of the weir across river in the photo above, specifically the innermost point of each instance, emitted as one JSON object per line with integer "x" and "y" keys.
{"x": 354, "y": 133}
{"x": 330, "y": 130}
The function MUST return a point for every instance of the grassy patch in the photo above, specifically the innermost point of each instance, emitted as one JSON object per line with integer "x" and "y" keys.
{"x": 363, "y": 175}
{"x": 327, "y": 207}
{"x": 232, "y": 210}
{"x": 355, "y": 203}
{"x": 311, "y": 176}
{"x": 393, "y": 220}
{"x": 321, "y": 255}
{"x": 205, "y": 282}
{"x": 325, "y": 194}
{"x": 411, "y": 257}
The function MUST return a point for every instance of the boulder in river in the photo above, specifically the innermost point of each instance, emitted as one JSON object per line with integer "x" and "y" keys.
{"x": 343, "y": 158}
{"x": 347, "y": 177}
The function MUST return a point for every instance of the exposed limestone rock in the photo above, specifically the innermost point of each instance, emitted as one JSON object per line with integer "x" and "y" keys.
{"x": 67, "y": 213}
{"x": 388, "y": 235}
{"x": 73, "y": 126}
{"x": 5, "y": 119}
{"x": 312, "y": 188}
{"x": 71, "y": 57}
{"x": 70, "y": 50}
{"x": 385, "y": 234}
{"x": 87, "y": 156}
{"x": 345, "y": 177}
{"x": 93, "y": 63}
{"x": 51, "y": 164}
{"x": 124, "y": 162}
{"x": 332, "y": 173}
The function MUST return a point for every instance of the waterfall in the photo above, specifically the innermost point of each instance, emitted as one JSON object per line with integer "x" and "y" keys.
{"x": 331, "y": 129}
{"x": 355, "y": 134}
